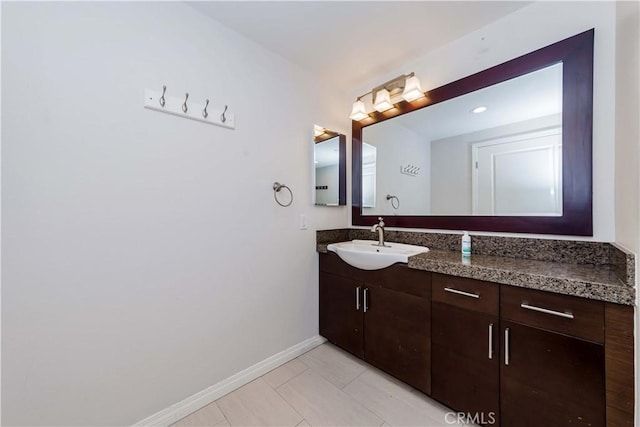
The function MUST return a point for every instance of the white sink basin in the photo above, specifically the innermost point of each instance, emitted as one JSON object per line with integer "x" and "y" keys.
{"x": 366, "y": 255}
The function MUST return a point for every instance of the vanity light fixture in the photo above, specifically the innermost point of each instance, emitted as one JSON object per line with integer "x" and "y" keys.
{"x": 317, "y": 131}
{"x": 480, "y": 109}
{"x": 358, "y": 112}
{"x": 407, "y": 84}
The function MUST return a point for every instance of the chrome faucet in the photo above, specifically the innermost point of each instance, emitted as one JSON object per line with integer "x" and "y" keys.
{"x": 379, "y": 227}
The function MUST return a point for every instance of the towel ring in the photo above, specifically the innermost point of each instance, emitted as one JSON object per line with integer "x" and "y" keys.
{"x": 276, "y": 189}
{"x": 395, "y": 205}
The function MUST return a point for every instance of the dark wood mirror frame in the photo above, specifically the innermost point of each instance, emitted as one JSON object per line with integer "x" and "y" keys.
{"x": 342, "y": 162}
{"x": 576, "y": 55}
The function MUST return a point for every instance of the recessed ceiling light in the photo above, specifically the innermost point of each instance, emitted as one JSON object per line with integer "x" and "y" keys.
{"x": 480, "y": 109}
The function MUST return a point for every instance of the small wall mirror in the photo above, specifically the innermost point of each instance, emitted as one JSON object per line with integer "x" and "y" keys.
{"x": 330, "y": 167}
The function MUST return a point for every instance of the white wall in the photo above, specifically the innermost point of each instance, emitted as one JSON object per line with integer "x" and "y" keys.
{"x": 627, "y": 158}
{"x": 627, "y": 177}
{"x": 528, "y": 29}
{"x": 399, "y": 146}
{"x": 144, "y": 258}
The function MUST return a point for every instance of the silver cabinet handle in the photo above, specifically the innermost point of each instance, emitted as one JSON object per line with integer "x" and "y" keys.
{"x": 566, "y": 315}
{"x": 506, "y": 346}
{"x": 358, "y": 298}
{"x": 490, "y": 340}
{"x": 366, "y": 292}
{"x": 466, "y": 294}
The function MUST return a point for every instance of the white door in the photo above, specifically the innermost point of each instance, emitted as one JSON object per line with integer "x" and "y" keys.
{"x": 369, "y": 154}
{"x": 519, "y": 175}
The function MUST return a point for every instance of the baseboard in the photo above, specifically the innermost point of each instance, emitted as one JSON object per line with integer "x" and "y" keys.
{"x": 201, "y": 399}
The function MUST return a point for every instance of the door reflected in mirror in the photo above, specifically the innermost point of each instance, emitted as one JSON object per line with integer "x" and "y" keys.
{"x": 329, "y": 156}
{"x": 496, "y": 151}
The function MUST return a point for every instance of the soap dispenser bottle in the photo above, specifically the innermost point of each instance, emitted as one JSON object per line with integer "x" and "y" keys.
{"x": 466, "y": 243}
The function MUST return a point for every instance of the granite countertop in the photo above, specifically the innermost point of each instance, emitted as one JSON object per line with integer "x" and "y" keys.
{"x": 588, "y": 281}
{"x": 598, "y": 282}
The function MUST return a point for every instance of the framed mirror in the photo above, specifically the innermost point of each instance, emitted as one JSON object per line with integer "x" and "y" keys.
{"x": 330, "y": 167}
{"x": 507, "y": 149}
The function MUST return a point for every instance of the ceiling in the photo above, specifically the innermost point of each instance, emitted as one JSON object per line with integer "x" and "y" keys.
{"x": 348, "y": 42}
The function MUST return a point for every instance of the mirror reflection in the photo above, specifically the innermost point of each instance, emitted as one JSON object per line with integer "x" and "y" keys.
{"x": 493, "y": 152}
{"x": 329, "y": 151}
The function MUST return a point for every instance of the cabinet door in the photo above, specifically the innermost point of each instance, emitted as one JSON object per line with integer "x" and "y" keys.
{"x": 465, "y": 361}
{"x": 397, "y": 335}
{"x": 340, "y": 318}
{"x": 550, "y": 379}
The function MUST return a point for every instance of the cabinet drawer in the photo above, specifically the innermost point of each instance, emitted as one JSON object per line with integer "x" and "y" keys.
{"x": 466, "y": 293}
{"x": 578, "y": 317}
{"x": 399, "y": 278}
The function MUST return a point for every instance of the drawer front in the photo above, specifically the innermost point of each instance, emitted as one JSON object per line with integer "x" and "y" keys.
{"x": 577, "y": 317}
{"x": 466, "y": 293}
{"x": 399, "y": 278}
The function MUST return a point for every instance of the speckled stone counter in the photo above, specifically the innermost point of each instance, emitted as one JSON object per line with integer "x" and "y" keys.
{"x": 594, "y": 270}
{"x": 587, "y": 281}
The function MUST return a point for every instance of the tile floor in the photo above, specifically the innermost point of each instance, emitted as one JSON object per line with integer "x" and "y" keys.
{"x": 324, "y": 387}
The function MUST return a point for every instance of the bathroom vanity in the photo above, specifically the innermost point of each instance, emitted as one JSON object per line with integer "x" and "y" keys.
{"x": 532, "y": 342}
{"x": 381, "y": 316}
{"x": 526, "y": 332}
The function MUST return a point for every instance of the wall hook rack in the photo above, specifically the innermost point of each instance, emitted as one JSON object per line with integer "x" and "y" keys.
{"x": 177, "y": 106}
{"x": 411, "y": 170}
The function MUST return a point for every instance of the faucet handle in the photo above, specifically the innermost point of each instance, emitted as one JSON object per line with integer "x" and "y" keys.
{"x": 381, "y": 223}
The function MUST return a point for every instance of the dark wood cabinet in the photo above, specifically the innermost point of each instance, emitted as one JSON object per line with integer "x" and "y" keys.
{"x": 503, "y": 355}
{"x": 397, "y": 335}
{"x": 553, "y": 359}
{"x": 550, "y": 379}
{"x": 464, "y": 357}
{"x": 340, "y": 320}
{"x": 517, "y": 357}
{"x": 382, "y": 316}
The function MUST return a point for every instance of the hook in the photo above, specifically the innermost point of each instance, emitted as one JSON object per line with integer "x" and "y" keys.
{"x": 162, "y": 101}
{"x": 184, "y": 105}
{"x": 205, "y": 114}
{"x": 222, "y": 116}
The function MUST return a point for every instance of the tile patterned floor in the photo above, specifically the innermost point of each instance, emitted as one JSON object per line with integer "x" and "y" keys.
{"x": 324, "y": 387}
